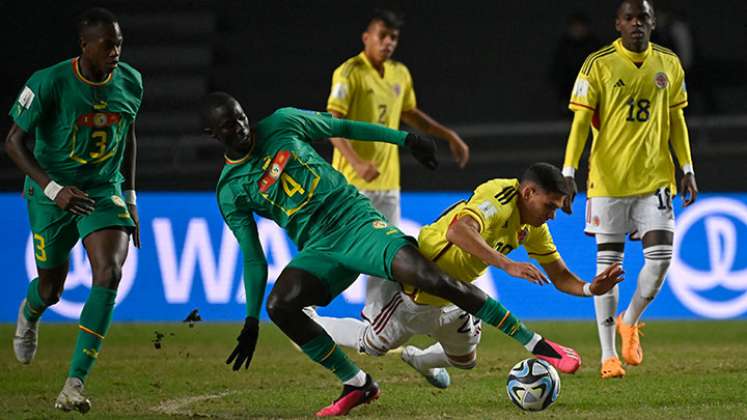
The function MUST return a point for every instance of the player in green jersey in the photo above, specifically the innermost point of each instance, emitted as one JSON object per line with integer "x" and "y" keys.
{"x": 81, "y": 113}
{"x": 273, "y": 172}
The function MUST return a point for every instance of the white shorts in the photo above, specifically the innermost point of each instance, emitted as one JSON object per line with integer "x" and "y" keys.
{"x": 400, "y": 319}
{"x": 637, "y": 214}
{"x": 378, "y": 290}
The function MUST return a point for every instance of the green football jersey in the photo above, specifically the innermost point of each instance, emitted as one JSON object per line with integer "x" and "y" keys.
{"x": 284, "y": 179}
{"x": 80, "y": 126}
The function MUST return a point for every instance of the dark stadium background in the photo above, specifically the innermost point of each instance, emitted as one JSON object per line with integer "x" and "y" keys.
{"x": 481, "y": 67}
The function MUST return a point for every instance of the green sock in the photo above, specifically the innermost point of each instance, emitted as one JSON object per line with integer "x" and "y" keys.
{"x": 325, "y": 352}
{"x": 94, "y": 324}
{"x": 497, "y": 315}
{"x": 35, "y": 306}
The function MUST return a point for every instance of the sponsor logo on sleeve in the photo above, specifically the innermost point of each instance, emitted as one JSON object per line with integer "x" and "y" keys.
{"x": 26, "y": 97}
{"x": 339, "y": 91}
{"x": 581, "y": 88}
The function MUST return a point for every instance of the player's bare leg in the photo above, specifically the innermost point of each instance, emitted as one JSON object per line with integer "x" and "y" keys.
{"x": 610, "y": 250}
{"x": 293, "y": 291}
{"x": 657, "y": 254}
{"x": 43, "y": 292}
{"x": 410, "y": 267}
{"x": 107, "y": 251}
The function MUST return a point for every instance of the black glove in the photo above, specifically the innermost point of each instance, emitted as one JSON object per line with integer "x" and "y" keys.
{"x": 247, "y": 342}
{"x": 423, "y": 149}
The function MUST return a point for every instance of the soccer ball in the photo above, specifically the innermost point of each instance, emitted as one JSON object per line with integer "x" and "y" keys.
{"x": 533, "y": 384}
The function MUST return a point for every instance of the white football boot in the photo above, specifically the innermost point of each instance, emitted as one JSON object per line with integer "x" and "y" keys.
{"x": 438, "y": 377}
{"x": 26, "y": 338}
{"x": 72, "y": 398}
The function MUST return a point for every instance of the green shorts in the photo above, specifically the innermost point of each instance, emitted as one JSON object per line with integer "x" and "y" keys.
{"x": 340, "y": 256}
{"x": 56, "y": 231}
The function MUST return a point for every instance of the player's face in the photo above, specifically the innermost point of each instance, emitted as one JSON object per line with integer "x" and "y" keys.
{"x": 635, "y": 21}
{"x": 101, "y": 46}
{"x": 230, "y": 125}
{"x": 542, "y": 205}
{"x": 380, "y": 41}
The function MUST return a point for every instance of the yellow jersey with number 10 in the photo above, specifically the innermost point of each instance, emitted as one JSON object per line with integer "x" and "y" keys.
{"x": 631, "y": 96}
{"x": 494, "y": 206}
{"x": 360, "y": 93}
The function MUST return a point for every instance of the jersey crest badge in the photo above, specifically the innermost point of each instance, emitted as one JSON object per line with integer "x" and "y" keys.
{"x": 379, "y": 224}
{"x": 522, "y": 234}
{"x": 661, "y": 80}
{"x": 397, "y": 89}
{"x": 273, "y": 173}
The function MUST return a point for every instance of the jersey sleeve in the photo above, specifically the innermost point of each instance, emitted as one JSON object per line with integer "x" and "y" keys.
{"x": 485, "y": 209}
{"x": 35, "y": 97}
{"x": 344, "y": 87}
{"x": 585, "y": 93}
{"x": 244, "y": 228}
{"x": 540, "y": 246}
{"x": 678, "y": 93}
{"x": 408, "y": 100}
{"x": 312, "y": 125}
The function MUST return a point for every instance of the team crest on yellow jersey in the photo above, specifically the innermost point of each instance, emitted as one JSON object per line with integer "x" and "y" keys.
{"x": 522, "y": 234}
{"x": 661, "y": 80}
{"x": 397, "y": 89}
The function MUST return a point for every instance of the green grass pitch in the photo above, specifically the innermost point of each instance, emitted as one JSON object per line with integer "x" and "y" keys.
{"x": 690, "y": 370}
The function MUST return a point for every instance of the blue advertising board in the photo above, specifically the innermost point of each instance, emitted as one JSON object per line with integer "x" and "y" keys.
{"x": 189, "y": 259}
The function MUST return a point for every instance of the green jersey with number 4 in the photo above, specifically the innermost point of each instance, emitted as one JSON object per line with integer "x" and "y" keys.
{"x": 80, "y": 126}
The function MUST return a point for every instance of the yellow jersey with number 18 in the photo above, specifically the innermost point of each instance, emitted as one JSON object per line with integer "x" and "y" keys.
{"x": 493, "y": 205}
{"x": 360, "y": 93}
{"x": 631, "y": 96}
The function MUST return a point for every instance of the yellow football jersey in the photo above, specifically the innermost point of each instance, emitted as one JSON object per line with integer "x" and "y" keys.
{"x": 631, "y": 102}
{"x": 360, "y": 93}
{"x": 493, "y": 206}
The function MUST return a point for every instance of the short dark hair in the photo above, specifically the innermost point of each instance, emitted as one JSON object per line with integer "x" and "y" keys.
{"x": 210, "y": 102}
{"x": 546, "y": 176}
{"x": 389, "y": 18}
{"x": 93, "y": 17}
{"x": 621, "y": 2}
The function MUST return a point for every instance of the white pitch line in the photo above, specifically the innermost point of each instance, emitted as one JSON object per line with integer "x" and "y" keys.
{"x": 176, "y": 406}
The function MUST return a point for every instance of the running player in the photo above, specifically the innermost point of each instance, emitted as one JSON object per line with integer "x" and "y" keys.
{"x": 371, "y": 87}
{"x": 82, "y": 114}
{"x": 631, "y": 94}
{"x": 470, "y": 236}
{"x": 273, "y": 172}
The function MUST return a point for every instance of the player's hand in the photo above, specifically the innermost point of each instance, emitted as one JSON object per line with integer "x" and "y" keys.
{"x": 689, "y": 189}
{"x": 75, "y": 201}
{"x": 526, "y": 271}
{"x": 607, "y": 279}
{"x": 366, "y": 170}
{"x": 570, "y": 182}
{"x": 136, "y": 219}
{"x": 459, "y": 150}
{"x": 423, "y": 149}
{"x": 244, "y": 351}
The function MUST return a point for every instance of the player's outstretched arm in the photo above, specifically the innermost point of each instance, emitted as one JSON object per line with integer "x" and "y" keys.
{"x": 465, "y": 233}
{"x": 573, "y": 151}
{"x": 67, "y": 198}
{"x": 567, "y": 282}
{"x": 255, "y": 281}
{"x": 425, "y": 123}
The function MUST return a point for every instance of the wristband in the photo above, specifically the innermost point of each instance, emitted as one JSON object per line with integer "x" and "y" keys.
{"x": 688, "y": 169}
{"x": 130, "y": 197}
{"x": 52, "y": 189}
{"x": 587, "y": 289}
{"x": 569, "y": 171}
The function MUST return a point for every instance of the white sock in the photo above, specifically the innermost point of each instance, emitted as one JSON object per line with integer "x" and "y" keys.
{"x": 431, "y": 358}
{"x": 533, "y": 342}
{"x": 650, "y": 279}
{"x": 605, "y": 306}
{"x": 344, "y": 331}
{"x": 358, "y": 380}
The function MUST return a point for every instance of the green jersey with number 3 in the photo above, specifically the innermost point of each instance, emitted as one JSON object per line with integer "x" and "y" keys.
{"x": 80, "y": 126}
